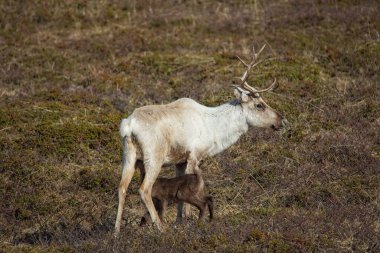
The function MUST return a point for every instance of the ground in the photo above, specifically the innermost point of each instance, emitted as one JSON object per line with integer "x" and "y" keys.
{"x": 71, "y": 70}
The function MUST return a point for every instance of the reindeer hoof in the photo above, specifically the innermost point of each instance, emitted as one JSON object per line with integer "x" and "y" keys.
{"x": 160, "y": 227}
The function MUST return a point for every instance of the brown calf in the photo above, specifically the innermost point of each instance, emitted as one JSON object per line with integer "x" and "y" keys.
{"x": 187, "y": 188}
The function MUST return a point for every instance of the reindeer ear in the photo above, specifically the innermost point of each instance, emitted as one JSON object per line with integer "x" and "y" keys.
{"x": 241, "y": 95}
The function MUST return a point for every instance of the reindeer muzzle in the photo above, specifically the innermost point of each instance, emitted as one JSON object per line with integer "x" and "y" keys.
{"x": 281, "y": 124}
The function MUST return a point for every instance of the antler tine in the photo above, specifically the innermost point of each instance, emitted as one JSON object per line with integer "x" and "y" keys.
{"x": 240, "y": 59}
{"x": 253, "y": 54}
{"x": 245, "y": 85}
{"x": 240, "y": 88}
{"x": 249, "y": 66}
{"x": 253, "y": 90}
{"x": 257, "y": 63}
{"x": 252, "y": 64}
{"x": 262, "y": 48}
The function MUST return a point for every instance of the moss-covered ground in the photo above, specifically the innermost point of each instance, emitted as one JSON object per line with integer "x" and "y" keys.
{"x": 70, "y": 70}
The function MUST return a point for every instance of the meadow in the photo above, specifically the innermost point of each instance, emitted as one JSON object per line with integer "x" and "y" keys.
{"x": 71, "y": 70}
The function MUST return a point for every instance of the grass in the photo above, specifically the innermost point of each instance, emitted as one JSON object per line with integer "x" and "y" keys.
{"x": 70, "y": 71}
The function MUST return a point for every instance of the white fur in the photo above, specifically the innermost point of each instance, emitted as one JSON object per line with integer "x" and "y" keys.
{"x": 124, "y": 128}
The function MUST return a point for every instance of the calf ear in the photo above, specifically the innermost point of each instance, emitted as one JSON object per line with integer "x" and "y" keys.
{"x": 241, "y": 95}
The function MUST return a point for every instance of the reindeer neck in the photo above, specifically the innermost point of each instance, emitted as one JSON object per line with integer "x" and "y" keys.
{"x": 228, "y": 123}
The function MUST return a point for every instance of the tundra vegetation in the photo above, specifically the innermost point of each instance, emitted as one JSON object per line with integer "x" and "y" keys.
{"x": 71, "y": 70}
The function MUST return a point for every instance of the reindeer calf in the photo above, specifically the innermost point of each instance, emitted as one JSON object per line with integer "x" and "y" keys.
{"x": 187, "y": 188}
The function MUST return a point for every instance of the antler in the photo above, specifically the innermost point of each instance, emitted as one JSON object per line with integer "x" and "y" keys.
{"x": 249, "y": 66}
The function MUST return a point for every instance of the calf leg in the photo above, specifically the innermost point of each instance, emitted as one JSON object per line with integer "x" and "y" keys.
{"x": 180, "y": 171}
{"x": 202, "y": 210}
{"x": 161, "y": 209}
{"x": 201, "y": 205}
{"x": 210, "y": 204}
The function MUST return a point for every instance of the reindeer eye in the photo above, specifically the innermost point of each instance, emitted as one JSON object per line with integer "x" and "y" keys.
{"x": 260, "y": 107}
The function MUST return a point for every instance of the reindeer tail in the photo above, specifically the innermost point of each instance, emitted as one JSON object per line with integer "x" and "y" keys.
{"x": 125, "y": 127}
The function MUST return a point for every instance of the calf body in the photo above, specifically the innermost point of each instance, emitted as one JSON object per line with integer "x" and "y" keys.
{"x": 188, "y": 188}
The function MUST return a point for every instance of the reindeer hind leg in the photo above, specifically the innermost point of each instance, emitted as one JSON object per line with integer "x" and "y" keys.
{"x": 128, "y": 168}
{"x": 146, "y": 216}
{"x": 145, "y": 191}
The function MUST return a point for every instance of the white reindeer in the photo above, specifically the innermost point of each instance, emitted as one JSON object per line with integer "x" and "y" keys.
{"x": 184, "y": 132}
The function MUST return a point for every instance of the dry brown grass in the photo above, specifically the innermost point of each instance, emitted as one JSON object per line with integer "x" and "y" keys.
{"x": 71, "y": 70}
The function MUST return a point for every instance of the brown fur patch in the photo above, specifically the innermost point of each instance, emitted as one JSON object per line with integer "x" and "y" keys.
{"x": 188, "y": 188}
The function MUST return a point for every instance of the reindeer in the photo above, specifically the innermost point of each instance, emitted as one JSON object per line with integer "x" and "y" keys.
{"x": 187, "y": 188}
{"x": 184, "y": 132}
